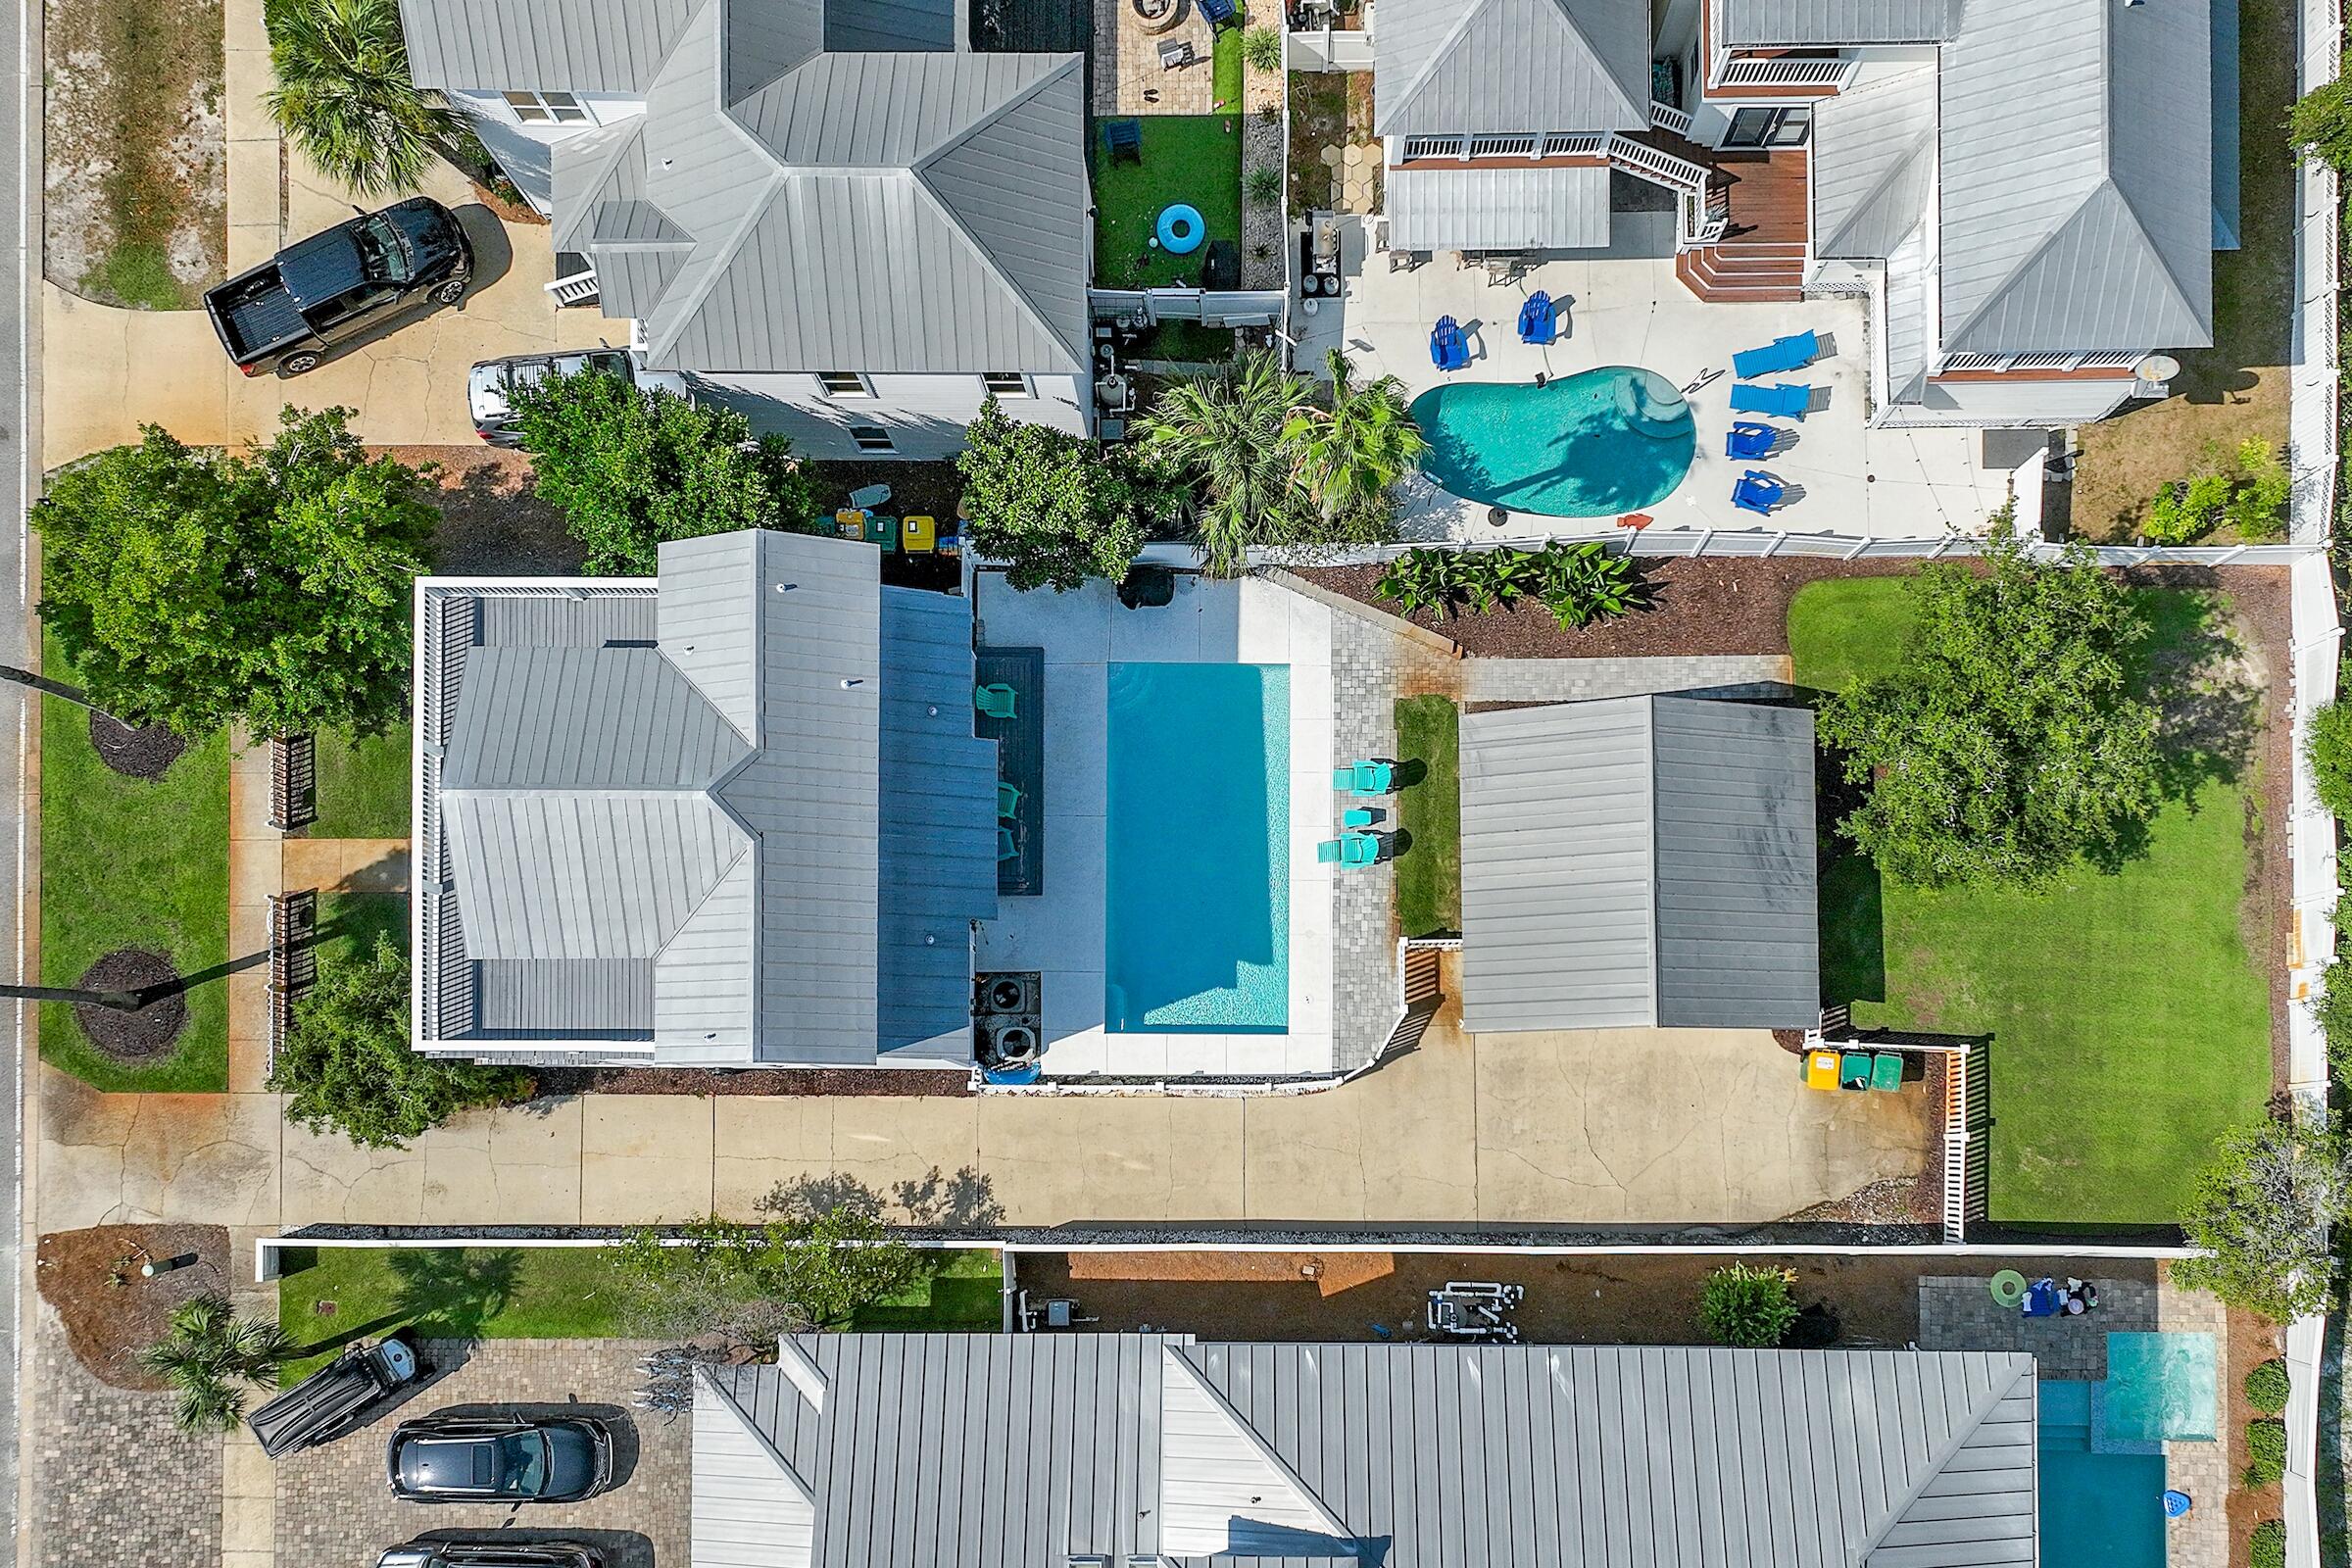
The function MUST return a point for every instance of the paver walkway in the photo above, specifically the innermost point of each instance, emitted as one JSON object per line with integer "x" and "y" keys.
{"x": 118, "y": 1487}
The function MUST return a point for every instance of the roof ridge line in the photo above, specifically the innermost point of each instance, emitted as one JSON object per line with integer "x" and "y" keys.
{"x": 1936, "y": 1461}
{"x": 1952, "y": 333}
{"x": 1567, "y": 13}
{"x": 1437, "y": 57}
{"x": 1174, "y": 1354}
{"x": 751, "y": 1429}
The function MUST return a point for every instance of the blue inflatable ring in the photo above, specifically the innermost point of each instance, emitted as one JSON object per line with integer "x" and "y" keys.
{"x": 1181, "y": 229}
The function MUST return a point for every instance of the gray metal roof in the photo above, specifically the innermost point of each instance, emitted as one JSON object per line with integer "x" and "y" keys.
{"x": 1639, "y": 861}
{"x": 977, "y": 1451}
{"x": 738, "y": 819}
{"x": 1441, "y": 209}
{"x": 1467, "y": 67}
{"x": 1754, "y": 24}
{"x": 2087, "y": 223}
{"x": 811, "y": 187}
{"x": 1874, "y": 164}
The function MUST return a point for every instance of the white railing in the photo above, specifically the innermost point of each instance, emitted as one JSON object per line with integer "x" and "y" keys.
{"x": 1574, "y": 144}
{"x": 580, "y": 288}
{"x": 1668, "y": 117}
{"x": 1518, "y": 146}
{"x": 1328, "y": 49}
{"x": 1239, "y": 307}
{"x": 1797, "y": 75}
{"x": 1661, "y": 166}
{"x": 1514, "y": 144}
{"x": 1955, "y": 1146}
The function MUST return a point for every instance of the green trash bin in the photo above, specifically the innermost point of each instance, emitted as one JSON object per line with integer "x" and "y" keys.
{"x": 1887, "y": 1070}
{"x": 1853, "y": 1070}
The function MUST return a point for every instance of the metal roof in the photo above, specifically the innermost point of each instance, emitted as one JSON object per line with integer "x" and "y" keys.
{"x": 2086, "y": 223}
{"x": 1441, "y": 209}
{"x": 988, "y": 1450}
{"x": 745, "y": 817}
{"x": 1639, "y": 861}
{"x": 1468, "y": 67}
{"x": 1874, "y": 164}
{"x": 1753, "y": 24}
{"x": 811, "y": 186}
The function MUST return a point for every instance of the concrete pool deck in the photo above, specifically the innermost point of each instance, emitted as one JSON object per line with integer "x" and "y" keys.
{"x": 1630, "y": 308}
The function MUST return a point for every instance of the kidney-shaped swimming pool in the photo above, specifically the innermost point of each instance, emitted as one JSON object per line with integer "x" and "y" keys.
{"x": 1589, "y": 445}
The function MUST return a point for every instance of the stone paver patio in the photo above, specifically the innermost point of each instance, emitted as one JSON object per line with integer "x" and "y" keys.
{"x": 120, "y": 1485}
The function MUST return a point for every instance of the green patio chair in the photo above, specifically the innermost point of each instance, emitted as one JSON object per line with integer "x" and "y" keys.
{"x": 1853, "y": 1070}
{"x": 1008, "y": 799}
{"x": 1356, "y": 816}
{"x": 1886, "y": 1071}
{"x": 996, "y": 701}
{"x": 1007, "y": 848}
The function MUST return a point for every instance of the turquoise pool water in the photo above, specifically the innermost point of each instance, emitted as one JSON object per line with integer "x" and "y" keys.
{"x": 1588, "y": 445}
{"x": 2098, "y": 1510}
{"x": 1197, "y": 884}
{"x": 2160, "y": 1387}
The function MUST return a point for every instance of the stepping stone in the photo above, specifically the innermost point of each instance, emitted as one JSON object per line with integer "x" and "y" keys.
{"x": 1353, "y": 156}
{"x": 1331, "y": 156}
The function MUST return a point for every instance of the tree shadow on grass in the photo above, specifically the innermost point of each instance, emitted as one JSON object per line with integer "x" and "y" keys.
{"x": 452, "y": 1293}
{"x": 2202, "y": 679}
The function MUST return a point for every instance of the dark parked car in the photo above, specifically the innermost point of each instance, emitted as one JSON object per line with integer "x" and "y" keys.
{"x": 491, "y": 383}
{"x": 289, "y": 311}
{"x": 454, "y": 1458}
{"x": 492, "y": 1554}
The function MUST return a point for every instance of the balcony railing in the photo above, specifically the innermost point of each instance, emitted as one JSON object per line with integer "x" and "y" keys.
{"x": 580, "y": 288}
{"x": 1665, "y": 116}
{"x": 1796, "y": 75}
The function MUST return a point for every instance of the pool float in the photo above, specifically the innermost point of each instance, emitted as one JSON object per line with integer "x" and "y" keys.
{"x": 1181, "y": 228}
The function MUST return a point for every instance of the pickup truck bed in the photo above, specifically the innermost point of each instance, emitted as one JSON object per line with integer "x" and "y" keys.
{"x": 260, "y": 320}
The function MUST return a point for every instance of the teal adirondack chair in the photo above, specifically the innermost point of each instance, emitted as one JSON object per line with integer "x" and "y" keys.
{"x": 996, "y": 700}
{"x": 1349, "y": 849}
{"x": 1008, "y": 799}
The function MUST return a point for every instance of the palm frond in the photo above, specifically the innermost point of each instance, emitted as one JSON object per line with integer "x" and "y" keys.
{"x": 344, "y": 95}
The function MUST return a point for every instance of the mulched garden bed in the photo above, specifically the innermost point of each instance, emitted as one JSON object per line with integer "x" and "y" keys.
{"x": 145, "y": 753}
{"x": 108, "y": 1325}
{"x": 761, "y": 1081}
{"x": 132, "y": 1037}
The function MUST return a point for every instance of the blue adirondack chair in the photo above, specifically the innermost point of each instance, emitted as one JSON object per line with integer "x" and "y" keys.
{"x": 1758, "y": 492}
{"x": 1220, "y": 12}
{"x": 1539, "y": 320}
{"x": 1791, "y": 353}
{"x": 1749, "y": 440}
{"x": 1449, "y": 349}
{"x": 1787, "y": 399}
{"x": 1364, "y": 778}
{"x": 1123, "y": 138}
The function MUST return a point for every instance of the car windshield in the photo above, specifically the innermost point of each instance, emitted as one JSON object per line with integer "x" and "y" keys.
{"x": 523, "y": 1464}
{"x": 382, "y": 253}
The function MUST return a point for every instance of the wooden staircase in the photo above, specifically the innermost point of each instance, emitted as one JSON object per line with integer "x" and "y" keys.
{"x": 1763, "y": 198}
{"x": 1745, "y": 271}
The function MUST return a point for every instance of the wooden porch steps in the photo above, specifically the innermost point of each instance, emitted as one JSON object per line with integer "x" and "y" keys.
{"x": 1740, "y": 269}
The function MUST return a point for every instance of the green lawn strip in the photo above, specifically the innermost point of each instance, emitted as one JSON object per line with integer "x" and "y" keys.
{"x": 1428, "y": 810}
{"x": 1187, "y": 158}
{"x": 1225, "y": 69}
{"x": 348, "y": 923}
{"x": 363, "y": 786}
{"x": 131, "y": 863}
{"x": 542, "y": 1293}
{"x": 2129, "y": 1025}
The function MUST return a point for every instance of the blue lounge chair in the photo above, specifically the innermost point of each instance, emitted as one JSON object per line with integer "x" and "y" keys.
{"x": 1356, "y": 816}
{"x": 1123, "y": 138}
{"x": 1449, "y": 349}
{"x": 1749, "y": 440}
{"x": 1539, "y": 322}
{"x": 1786, "y": 399}
{"x": 1758, "y": 492}
{"x": 1364, "y": 778}
{"x": 1791, "y": 353}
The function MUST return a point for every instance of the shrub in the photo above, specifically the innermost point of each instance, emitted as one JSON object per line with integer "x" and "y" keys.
{"x": 2329, "y": 752}
{"x": 2266, "y": 1547}
{"x": 1263, "y": 185}
{"x": 1582, "y": 583}
{"x": 2187, "y": 510}
{"x": 2257, "y": 507}
{"x": 2265, "y": 1453}
{"x": 749, "y": 1283}
{"x": 2266, "y": 1386}
{"x": 2320, "y": 125}
{"x": 1261, "y": 49}
{"x": 2260, "y": 1211}
{"x": 1749, "y": 1307}
{"x": 207, "y": 1352}
{"x": 2331, "y": 1008}
{"x": 1056, "y": 509}
{"x": 1579, "y": 583}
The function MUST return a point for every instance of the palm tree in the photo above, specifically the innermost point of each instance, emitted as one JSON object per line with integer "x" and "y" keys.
{"x": 1349, "y": 455}
{"x": 209, "y": 1352}
{"x": 344, "y": 96}
{"x": 1225, "y": 430}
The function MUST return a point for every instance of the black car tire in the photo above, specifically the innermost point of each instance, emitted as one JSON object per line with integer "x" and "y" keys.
{"x": 298, "y": 363}
{"x": 452, "y": 291}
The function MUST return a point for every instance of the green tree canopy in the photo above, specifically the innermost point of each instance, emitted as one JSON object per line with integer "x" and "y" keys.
{"x": 2260, "y": 1211}
{"x": 2007, "y": 742}
{"x": 1057, "y": 509}
{"x": 194, "y": 588}
{"x": 1349, "y": 455}
{"x": 346, "y": 1065}
{"x": 2320, "y": 125}
{"x": 631, "y": 468}
{"x": 344, "y": 97}
{"x": 207, "y": 1352}
{"x": 749, "y": 1283}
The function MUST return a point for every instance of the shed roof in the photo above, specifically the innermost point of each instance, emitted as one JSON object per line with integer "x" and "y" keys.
{"x": 1470, "y": 67}
{"x": 1639, "y": 861}
{"x": 1441, "y": 209}
{"x": 986, "y": 1450}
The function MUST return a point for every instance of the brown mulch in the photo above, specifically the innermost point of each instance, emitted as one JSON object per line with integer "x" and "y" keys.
{"x": 491, "y": 524}
{"x": 1707, "y": 605}
{"x": 519, "y": 213}
{"x": 553, "y": 1081}
{"x": 2252, "y": 1341}
{"x": 108, "y": 1325}
{"x": 132, "y": 1037}
{"x": 918, "y": 489}
{"x": 146, "y": 753}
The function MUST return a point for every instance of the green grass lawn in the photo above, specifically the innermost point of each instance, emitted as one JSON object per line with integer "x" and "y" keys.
{"x": 1428, "y": 810}
{"x": 131, "y": 863}
{"x": 545, "y": 1293}
{"x": 1225, "y": 69}
{"x": 1187, "y": 158}
{"x": 363, "y": 786}
{"x": 348, "y": 922}
{"x": 2128, "y": 1023}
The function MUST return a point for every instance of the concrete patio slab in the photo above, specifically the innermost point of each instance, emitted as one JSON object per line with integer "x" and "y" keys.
{"x": 645, "y": 1157}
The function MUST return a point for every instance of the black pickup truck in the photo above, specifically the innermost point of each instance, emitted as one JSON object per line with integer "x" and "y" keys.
{"x": 286, "y": 312}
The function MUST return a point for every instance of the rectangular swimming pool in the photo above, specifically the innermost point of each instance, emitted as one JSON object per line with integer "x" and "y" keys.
{"x": 2098, "y": 1510}
{"x": 1197, "y": 882}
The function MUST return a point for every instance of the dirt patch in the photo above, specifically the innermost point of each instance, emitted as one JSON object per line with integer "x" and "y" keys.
{"x": 927, "y": 489}
{"x": 2252, "y": 1342}
{"x": 145, "y": 1034}
{"x": 1330, "y": 109}
{"x": 135, "y": 187}
{"x": 762, "y": 1081}
{"x": 491, "y": 523}
{"x": 112, "y": 1312}
{"x": 145, "y": 753}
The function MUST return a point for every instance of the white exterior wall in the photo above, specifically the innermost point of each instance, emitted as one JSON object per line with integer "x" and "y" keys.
{"x": 521, "y": 149}
{"x": 925, "y": 415}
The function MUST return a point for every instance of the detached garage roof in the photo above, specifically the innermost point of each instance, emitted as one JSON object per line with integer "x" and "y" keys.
{"x": 1642, "y": 861}
{"x": 1441, "y": 209}
{"x": 986, "y": 1451}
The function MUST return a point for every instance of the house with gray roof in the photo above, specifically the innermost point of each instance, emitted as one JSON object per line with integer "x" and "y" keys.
{"x": 977, "y": 1450}
{"x": 1639, "y": 861}
{"x": 731, "y": 815}
{"x": 831, "y": 214}
{"x": 2021, "y": 265}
